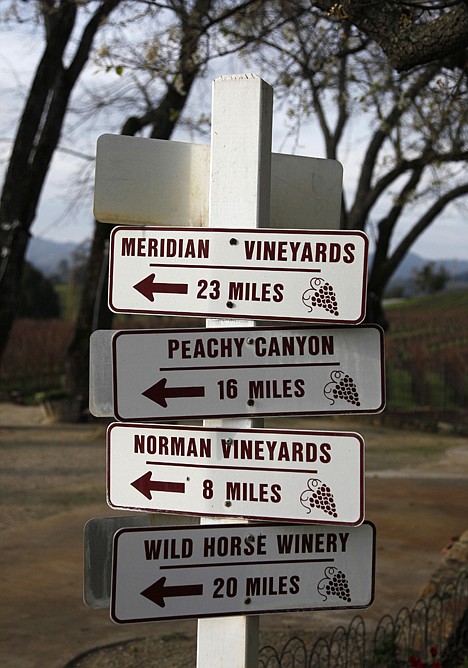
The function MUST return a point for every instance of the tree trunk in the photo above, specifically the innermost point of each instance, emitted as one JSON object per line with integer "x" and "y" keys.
{"x": 14, "y": 244}
{"x": 375, "y": 313}
{"x": 93, "y": 314}
{"x": 36, "y": 140}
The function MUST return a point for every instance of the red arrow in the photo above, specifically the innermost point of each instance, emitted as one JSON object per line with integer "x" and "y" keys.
{"x": 159, "y": 392}
{"x": 147, "y": 287}
{"x": 145, "y": 485}
{"x": 158, "y": 591}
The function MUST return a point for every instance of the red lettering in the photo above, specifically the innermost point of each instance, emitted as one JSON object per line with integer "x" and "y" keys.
{"x": 349, "y": 255}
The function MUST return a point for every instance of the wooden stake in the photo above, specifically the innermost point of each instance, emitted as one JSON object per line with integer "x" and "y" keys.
{"x": 240, "y": 178}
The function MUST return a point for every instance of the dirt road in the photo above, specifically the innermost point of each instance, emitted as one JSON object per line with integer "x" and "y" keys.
{"x": 52, "y": 480}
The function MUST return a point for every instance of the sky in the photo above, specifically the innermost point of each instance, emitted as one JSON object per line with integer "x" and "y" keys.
{"x": 65, "y": 212}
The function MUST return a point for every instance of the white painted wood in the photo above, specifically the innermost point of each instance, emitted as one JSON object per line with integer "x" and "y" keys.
{"x": 240, "y": 177}
{"x": 241, "y": 152}
{"x": 305, "y": 192}
{"x": 228, "y": 642}
{"x": 229, "y": 652}
{"x": 143, "y": 181}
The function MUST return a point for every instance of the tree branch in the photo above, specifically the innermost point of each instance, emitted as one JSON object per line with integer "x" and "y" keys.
{"x": 370, "y": 158}
{"x": 406, "y": 42}
{"x": 427, "y": 158}
{"x": 423, "y": 223}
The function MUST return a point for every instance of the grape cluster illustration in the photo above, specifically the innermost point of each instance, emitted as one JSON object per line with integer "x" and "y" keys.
{"x": 334, "y": 583}
{"x": 342, "y": 386}
{"x": 320, "y": 294}
{"x": 319, "y": 495}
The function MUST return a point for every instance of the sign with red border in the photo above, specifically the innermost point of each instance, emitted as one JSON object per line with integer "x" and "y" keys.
{"x": 216, "y": 570}
{"x": 306, "y": 276}
{"x": 260, "y": 474}
{"x": 221, "y": 372}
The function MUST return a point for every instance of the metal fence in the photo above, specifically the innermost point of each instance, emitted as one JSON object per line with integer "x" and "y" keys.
{"x": 433, "y": 633}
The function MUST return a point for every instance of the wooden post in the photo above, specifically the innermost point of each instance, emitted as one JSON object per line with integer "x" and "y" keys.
{"x": 240, "y": 176}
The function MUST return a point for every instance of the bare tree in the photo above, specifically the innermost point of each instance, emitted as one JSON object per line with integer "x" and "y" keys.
{"x": 164, "y": 71}
{"x": 62, "y": 61}
{"x": 70, "y": 28}
{"x": 414, "y": 142}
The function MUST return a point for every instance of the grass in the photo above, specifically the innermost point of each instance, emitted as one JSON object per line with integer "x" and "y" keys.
{"x": 427, "y": 352}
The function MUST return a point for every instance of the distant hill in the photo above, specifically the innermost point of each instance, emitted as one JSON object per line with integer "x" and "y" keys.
{"x": 46, "y": 255}
{"x": 403, "y": 278}
{"x": 413, "y": 262}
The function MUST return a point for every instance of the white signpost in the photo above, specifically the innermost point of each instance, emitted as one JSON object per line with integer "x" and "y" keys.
{"x": 166, "y": 374}
{"x": 297, "y": 275}
{"x": 227, "y": 574}
{"x": 173, "y": 573}
{"x": 290, "y": 475}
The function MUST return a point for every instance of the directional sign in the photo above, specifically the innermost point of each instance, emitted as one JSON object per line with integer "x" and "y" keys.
{"x": 300, "y": 476}
{"x": 313, "y": 276}
{"x": 166, "y": 374}
{"x": 217, "y": 570}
